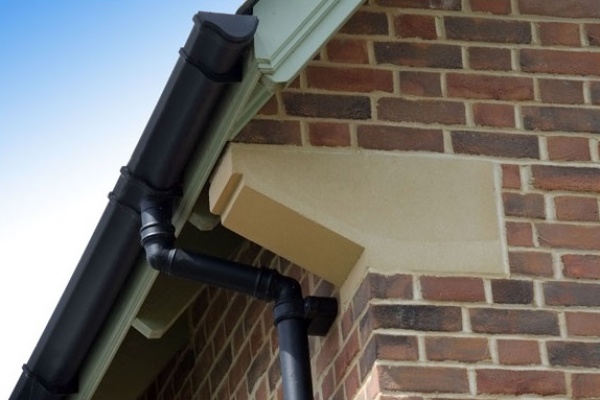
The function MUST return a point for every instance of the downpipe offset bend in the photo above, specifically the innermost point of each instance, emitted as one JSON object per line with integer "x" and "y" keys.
{"x": 295, "y": 317}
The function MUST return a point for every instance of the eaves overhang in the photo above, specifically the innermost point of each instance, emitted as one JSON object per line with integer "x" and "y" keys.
{"x": 197, "y": 114}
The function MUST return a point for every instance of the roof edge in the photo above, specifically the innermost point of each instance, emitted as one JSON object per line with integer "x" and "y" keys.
{"x": 176, "y": 127}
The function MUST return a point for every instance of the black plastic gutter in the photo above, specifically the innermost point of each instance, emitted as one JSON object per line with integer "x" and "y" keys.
{"x": 210, "y": 60}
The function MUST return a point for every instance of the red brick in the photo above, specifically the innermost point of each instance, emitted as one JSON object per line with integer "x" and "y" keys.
{"x": 519, "y": 234}
{"x": 218, "y": 373}
{"x": 429, "y": 55}
{"x": 351, "y": 383}
{"x": 327, "y": 105}
{"x": 547, "y": 177}
{"x": 569, "y": 236}
{"x": 400, "y": 138}
{"x": 511, "y": 291}
{"x": 495, "y": 144}
{"x": 347, "y": 323}
{"x": 452, "y": 289}
{"x": 574, "y": 354}
{"x": 361, "y": 297}
{"x": 349, "y": 79}
{"x": 518, "y": 352}
{"x": 348, "y": 50}
{"x": 451, "y": 5}
{"x": 583, "y": 324}
{"x": 261, "y": 390}
{"x": 456, "y": 349}
{"x": 531, "y": 263}
{"x": 392, "y": 397}
{"x": 499, "y": 321}
{"x": 390, "y": 286}
{"x": 570, "y": 208}
{"x": 270, "y": 132}
{"x": 366, "y": 23}
{"x": 328, "y": 385}
{"x": 420, "y": 83}
{"x": 273, "y": 375}
{"x": 497, "y": 381}
{"x": 241, "y": 363}
{"x": 490, "y": 58}
{"x": 487, "y": 30}
{"x": 560, "y": 62}
{"x": 490, "y": 114}
{"x": 581, "y": 266}
{"x": 560, "y": 8}
{"x": 416, "y": 317}
{"x": 258, "y": 367}
{"x": 551, "y": 118}
{"x": 472, "y": 86}
{"x": 395, "y": 347}
{"x": 593, "y": 34}
{"x": 184, "y": 367}
{"x": 568, "y": 148}
{"x": 426, "y": 111}
{"x": 511, "y": 176}
{"x": 344, "y": 359}
{"x": 561, "y": 91}
{"x": 529, "y": 205}
{"x": 330, "y": 346}
{"x": 329, "y": 134}
{"x": 423, "y": 379}
{"x": 585, "y": 386}
{"x": 381, "y": 286}
{"x": 204, "y": 362}
{"x": 572, "y": 294}
{"x": 595, "y": 92}
{"x": 493, "y": 7}
{"x": 270, "y": 108}
{"x": 415, "y": 26}
{"x": 559, "y": 34}
{"x": 295, "y": 84}
{"x": 257, "y": 339}
{"x": 367, "y": 357}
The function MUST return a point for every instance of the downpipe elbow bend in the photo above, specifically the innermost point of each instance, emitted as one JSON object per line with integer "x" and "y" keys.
{"x": 160, "y": 257}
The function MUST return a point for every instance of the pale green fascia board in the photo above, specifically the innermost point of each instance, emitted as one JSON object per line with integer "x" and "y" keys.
{"x": 283, "y": 25}
{"x": 313, "y": 31}
{"x": 165, "y": 303}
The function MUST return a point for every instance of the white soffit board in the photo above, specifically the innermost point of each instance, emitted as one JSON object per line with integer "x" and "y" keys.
{"x": 326, "y": 209}
{"x": 290, "y": 32}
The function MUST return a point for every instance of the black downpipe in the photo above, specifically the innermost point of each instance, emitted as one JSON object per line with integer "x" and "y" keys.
{"x": 294, "y": 358}
{"x": 292, "y": 313}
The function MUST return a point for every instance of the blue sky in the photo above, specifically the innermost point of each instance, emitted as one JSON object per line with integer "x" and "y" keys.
{"x": 78, "y": 82}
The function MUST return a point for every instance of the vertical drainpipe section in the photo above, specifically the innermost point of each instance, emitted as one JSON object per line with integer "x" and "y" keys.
{"x": 210, "y": 60}
{"x": 295, "y": 317}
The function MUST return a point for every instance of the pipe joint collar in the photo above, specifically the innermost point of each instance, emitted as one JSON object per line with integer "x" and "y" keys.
{"x": 287, "y": 309}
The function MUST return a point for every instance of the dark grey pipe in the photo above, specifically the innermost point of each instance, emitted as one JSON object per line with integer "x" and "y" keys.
{"x": 294, "y": 359}
{"x": 211, "y": 58}
{"x": 290, "y": 313}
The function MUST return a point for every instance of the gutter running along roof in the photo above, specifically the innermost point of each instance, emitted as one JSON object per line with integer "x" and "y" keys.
{"x": 210, "y": 61}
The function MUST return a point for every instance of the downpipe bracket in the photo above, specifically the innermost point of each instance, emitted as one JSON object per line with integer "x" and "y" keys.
{"x": 320, "y": 313}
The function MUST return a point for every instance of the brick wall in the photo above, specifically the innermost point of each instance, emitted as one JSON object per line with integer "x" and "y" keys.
{"x": 516, "y": 82}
